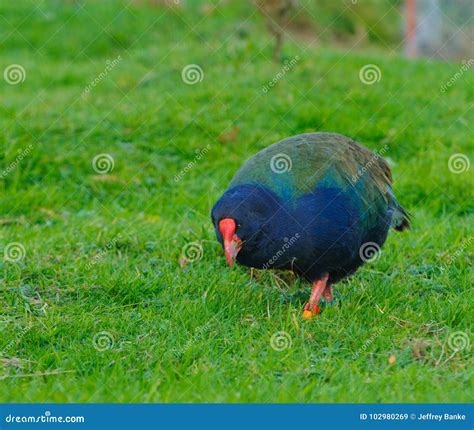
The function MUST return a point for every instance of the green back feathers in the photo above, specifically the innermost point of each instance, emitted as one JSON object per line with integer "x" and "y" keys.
{"x": 297, "y": 165}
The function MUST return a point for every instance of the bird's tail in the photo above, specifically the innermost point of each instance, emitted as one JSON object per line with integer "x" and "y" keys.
{"x": 400, "y": 219}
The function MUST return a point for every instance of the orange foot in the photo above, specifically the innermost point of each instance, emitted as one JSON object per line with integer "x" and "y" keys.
{"x": 311, "y": 308}
{"x": 310, "y": 311}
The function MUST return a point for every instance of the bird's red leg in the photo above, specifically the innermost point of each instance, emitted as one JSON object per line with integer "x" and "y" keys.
{"x": 312, "y": 307}
{"x": 327, "y": 293}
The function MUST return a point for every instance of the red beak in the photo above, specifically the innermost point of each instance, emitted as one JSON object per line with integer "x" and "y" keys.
{"x": 232, "y": 243}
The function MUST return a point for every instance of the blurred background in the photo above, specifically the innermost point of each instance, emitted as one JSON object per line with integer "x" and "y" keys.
{"x": 430, "y": 28}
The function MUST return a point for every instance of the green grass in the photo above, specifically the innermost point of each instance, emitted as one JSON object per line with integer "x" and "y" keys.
{"x": 104, "y": 252}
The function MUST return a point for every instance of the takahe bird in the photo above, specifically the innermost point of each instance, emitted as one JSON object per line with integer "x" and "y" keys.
{"x": 309, "y": 203}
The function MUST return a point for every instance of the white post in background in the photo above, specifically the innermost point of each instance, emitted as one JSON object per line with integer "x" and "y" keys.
{"x": 429, "y": 28}
{"x": 439, "y": 28}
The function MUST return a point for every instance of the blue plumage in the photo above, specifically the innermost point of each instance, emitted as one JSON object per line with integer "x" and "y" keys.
{"x": 314, "y": 218}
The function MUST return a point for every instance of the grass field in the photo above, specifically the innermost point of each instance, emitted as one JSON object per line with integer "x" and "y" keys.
{"x": 113, "y": 287}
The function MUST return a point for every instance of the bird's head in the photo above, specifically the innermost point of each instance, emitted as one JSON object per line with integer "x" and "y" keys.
{"x": 240, "y": 217}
